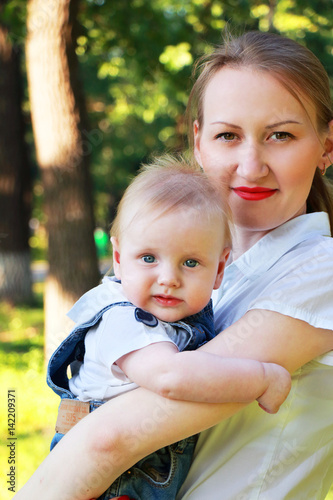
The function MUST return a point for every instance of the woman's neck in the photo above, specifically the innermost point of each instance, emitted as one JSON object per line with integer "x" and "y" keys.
{"x": 243, "y": 239}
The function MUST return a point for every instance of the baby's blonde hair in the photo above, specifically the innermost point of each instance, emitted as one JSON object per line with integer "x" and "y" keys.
{"x": 167, "y": 184}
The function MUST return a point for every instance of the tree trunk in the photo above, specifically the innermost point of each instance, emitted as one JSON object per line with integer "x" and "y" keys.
{"x": 15, "y": 186}
{"x": 62, "y": 152}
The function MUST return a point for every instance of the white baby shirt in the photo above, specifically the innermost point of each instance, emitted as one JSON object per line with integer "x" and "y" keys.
{"x": 117, "y": 334}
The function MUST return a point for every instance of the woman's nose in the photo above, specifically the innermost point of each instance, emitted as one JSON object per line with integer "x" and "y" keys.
{"x": 251, "y": 164}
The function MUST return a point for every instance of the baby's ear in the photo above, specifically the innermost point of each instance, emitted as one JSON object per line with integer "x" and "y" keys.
{"x": 220, "y": 270}
{"x": 116, "y": 257}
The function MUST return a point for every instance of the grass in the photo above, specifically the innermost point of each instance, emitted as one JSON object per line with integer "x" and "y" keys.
{"x": 23, "y": 370}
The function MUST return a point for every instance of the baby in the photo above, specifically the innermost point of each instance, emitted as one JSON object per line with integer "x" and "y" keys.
{"x": 171, "y": 240}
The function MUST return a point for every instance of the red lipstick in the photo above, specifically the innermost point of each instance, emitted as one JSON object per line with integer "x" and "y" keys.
{"x": 253, "y": 194}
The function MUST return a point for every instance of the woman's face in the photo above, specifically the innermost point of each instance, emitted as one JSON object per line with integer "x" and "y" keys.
{"x": 260, "y": 143}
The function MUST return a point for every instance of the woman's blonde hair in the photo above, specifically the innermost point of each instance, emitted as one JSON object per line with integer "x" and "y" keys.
{"x": 293, "y": 65}
{"x": 167, "y": 184}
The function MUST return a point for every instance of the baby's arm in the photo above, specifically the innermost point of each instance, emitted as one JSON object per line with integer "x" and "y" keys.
{"x": 204, "y": 377}
{"x": 125, "y": 429}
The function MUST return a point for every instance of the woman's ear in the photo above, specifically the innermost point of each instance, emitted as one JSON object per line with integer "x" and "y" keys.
{"x": 221, "y": 266}
{"x": 327, "y": 156}
{"x": 116, "y": 257}
{"x": 196, "y": 134}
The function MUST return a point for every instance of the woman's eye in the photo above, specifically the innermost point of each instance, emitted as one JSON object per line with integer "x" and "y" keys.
{"x": 149, "y": 259}
{"x": 226, "y": 136}
{"x": 281, "y": 136}
{"x": 191, "y": 263}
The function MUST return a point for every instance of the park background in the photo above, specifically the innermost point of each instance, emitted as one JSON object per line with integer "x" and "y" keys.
{"x": 89, "y": 89}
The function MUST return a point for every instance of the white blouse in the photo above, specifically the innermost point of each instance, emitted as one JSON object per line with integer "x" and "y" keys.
{"x": 289, "y": 455}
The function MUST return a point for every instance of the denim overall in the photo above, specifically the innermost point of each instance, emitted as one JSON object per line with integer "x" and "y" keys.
{"x": 160, "y": 475}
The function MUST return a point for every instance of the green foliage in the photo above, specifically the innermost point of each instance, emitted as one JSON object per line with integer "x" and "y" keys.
{"x": 310, "y": 24}
{"x": 13, "y": 15}
{"x": 136, "y": 59}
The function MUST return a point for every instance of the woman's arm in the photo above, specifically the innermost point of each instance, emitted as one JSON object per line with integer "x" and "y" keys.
{"x": 127, "y": 428}
{"x": 273, "y": 338}
{"x": 113, "y": 438}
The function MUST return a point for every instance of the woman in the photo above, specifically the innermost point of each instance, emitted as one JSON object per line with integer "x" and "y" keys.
{"x": 263, "y": 128}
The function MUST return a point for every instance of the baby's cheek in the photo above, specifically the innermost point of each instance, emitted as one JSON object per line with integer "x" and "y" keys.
{"x": 130, "y": 288}
{"x": 129, "y": 281}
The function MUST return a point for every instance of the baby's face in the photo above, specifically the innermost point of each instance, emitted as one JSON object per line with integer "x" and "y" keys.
{"x": 169, "y": 265}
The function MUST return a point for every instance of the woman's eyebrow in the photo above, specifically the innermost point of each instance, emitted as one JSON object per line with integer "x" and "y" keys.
{"x": 268, "y": 127}
{"x": 285, "y": 122}
{"x": 219, "y": 122}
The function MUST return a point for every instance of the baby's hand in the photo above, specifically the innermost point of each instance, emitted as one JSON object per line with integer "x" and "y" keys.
{"x": 278, "y": 387}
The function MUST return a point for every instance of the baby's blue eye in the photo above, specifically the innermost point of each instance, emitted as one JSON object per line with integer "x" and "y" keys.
{"x": 149, "y": 259}
{"x": 191, "y": 263}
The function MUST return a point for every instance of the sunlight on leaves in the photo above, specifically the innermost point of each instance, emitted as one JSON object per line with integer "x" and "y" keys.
{"x": 175, "y": 57}
{"x": 289, "y": 22}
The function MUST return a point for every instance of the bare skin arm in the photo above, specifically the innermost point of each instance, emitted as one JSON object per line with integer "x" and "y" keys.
{"x": 90, "y": 457}
{"x": 204, "y": 377}
{"x": 114, "y": 437}
{"x": 273, "y": 338}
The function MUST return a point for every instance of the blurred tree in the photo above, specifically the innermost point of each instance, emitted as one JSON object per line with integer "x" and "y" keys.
{"x": 63, "y": 147}
{"x": 15, "y": 177}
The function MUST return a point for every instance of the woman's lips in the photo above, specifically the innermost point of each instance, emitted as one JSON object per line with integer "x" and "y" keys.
{"x": 167, "y": 301}
{"x": 253, "y": 194}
